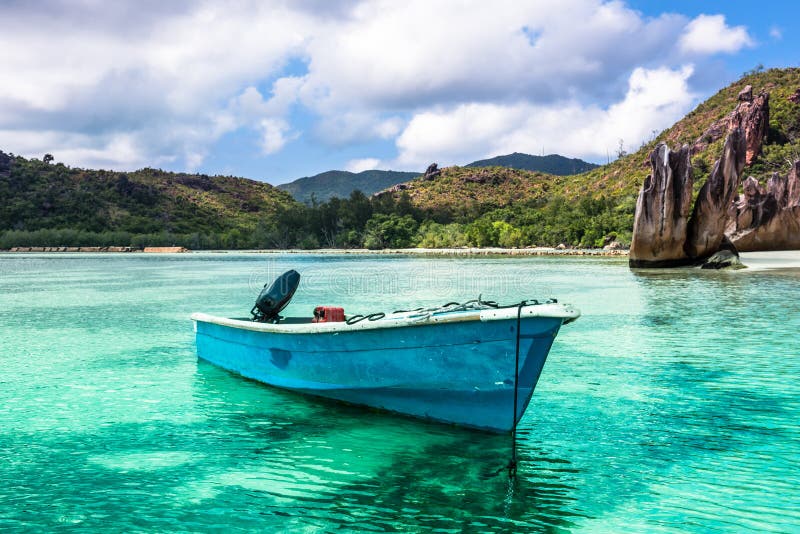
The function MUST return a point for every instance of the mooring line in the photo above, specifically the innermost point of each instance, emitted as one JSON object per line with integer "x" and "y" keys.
{"x": 512, "y": 465}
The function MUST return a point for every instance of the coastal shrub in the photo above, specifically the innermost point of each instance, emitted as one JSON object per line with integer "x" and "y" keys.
{"x": 389, "y": 231}
{"x": 309, "y": 242}
{"x": 435, "y": 235}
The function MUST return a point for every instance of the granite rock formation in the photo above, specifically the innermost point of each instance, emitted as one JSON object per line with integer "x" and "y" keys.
{"x": 664, "y": 235}
{"x": 751, "y": 115}
{"x": 662, "y": 210}
{"x": 710, "y": 215}
{"x": 767, "y": 218}
{"x": 432, "y": 172}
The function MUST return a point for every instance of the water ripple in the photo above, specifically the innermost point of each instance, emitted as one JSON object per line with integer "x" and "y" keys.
{"x": 672, "y": 405}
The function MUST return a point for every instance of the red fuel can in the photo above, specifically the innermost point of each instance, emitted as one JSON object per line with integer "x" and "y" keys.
{"x": 328, "y": 314}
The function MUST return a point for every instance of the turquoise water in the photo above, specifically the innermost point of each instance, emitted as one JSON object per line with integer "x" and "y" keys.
{"x": 672, "y": 405}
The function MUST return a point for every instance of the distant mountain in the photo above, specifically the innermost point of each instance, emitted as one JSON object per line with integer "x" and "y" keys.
{"x": 341, "y": 183}
{"x": 551, "y": 164}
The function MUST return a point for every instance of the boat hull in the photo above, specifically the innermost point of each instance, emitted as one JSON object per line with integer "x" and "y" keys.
{"x": 459, "y": 371}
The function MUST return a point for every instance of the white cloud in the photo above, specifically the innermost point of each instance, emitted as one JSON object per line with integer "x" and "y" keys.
{"x": 776, "y": 33}
{"x": 274, "y": 135}
{"x": 170, "y": 79}
{"x": 117, "y": 151}
{"x": 166, "y": 85}
{"x": 419, "y": 53}
{"x": 655, "y": 98}
{"x": 355, "y": 126}
{"x": 709, "y": 34}
{"x": 359, "y": 165}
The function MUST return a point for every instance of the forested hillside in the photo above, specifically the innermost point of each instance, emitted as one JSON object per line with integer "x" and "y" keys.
{"x": 324, "y": 186}
{"x": 550, "y": 164}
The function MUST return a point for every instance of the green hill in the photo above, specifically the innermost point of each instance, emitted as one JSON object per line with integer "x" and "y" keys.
{"x": 326, "y": 185}
{"x": 38, "y": 196}
{"x": 603, "y": 199}
{"x": 550, "y": 164}
{"x": 340, "y": 184}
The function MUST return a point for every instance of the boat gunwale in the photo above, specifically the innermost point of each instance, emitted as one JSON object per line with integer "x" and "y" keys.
{"x": 565, "y": 312}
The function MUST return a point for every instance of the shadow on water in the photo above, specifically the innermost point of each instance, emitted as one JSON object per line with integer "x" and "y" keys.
{"x": 370, "y": 469}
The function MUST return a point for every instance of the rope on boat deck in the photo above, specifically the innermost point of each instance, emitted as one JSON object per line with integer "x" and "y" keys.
{"x": 371, "y": 317}
{"x": 422, "y": 313}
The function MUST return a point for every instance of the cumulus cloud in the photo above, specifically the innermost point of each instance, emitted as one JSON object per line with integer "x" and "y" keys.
{"x": 655, "y": 97}
{"x": 167, "y": 85}
{"x": 274, "y": 135}
{"x": 709, "y": 34}
{"x": 350, "y": 127}
{"x": 360, "y": 165}
{"x": 420, "y": 53}
{"x": 123, "y": 85}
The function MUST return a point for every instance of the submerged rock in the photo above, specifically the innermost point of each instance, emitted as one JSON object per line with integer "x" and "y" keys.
{"x": 724, "y": 259}
{"x": 614, "y": 245}
{"x": 662, "y": 210}
{"x": 710, "y": 215}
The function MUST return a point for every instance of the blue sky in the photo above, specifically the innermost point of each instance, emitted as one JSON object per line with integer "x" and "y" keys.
{"x": 276, "y": 90}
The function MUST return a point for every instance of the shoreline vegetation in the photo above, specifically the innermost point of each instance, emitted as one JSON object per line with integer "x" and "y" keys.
{"x": 465, "y": 251}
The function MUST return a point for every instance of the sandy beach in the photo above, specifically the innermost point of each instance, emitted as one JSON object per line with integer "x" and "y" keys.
{"x": 467, "y": 251}
{"x": 774, "y": 259}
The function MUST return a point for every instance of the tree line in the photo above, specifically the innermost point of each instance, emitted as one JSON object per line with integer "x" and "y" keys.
{"x": 380, "y": 222}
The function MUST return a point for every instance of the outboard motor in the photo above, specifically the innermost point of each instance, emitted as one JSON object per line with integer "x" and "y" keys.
{"x": 275, "y": 297}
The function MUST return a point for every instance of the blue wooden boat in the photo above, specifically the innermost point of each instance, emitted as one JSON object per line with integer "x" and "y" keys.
{"x": 464, "y": 364}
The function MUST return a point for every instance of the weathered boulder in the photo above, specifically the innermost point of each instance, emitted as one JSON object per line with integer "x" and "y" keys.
{"x": 767, "y": 218}
{"x": 397, "y": 188}
{"x": 709, "y": 218}
{"x": 662, "y": 210}
{"x": 432, "y": 172}
{"x": 751, "y": 115}
{"x": 753, "y": 118}
{"x": 723, "y": 259}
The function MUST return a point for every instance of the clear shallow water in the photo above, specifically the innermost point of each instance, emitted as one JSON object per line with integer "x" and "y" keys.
{"x": 672, "y": 405}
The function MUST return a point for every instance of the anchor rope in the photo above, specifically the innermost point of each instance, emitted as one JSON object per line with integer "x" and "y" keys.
{"x": 512, "y": 465}
{"x": 476, "y": 304}
{"x": 423, "y": 313}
